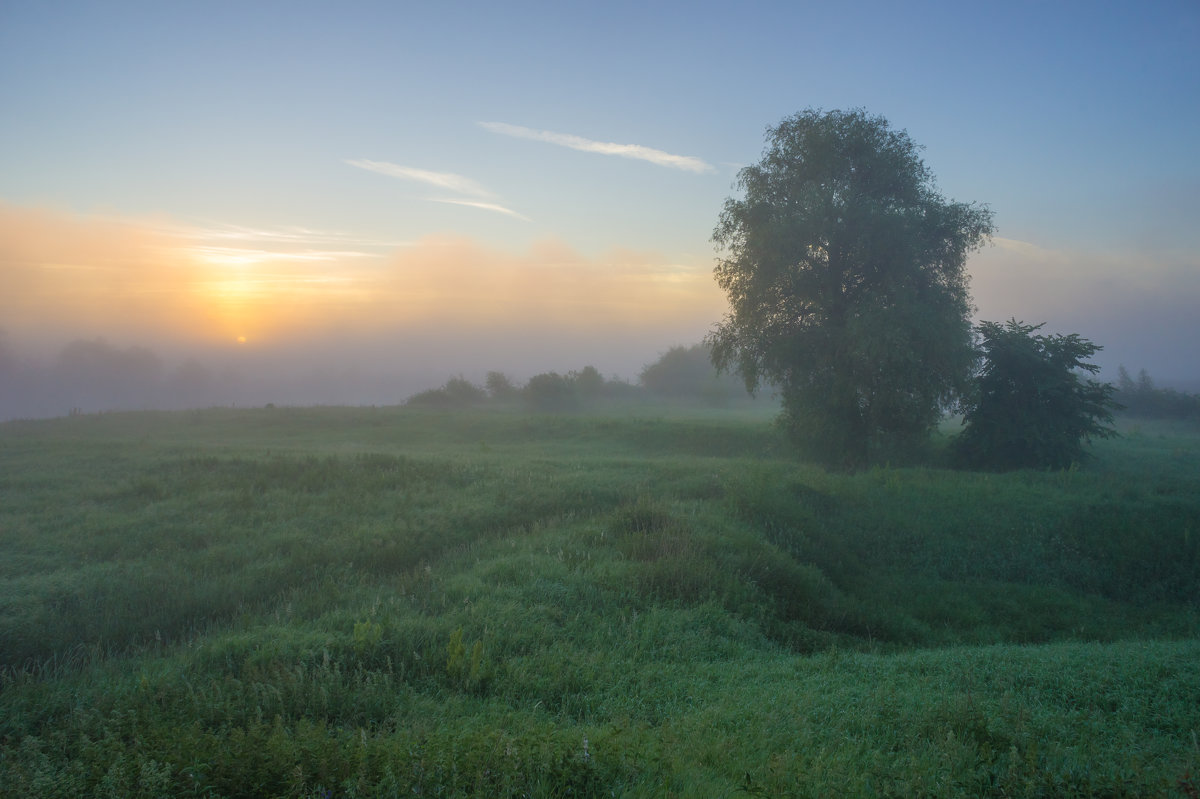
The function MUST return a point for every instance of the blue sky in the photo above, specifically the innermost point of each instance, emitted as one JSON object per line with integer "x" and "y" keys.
{"x": 303, "y": 175}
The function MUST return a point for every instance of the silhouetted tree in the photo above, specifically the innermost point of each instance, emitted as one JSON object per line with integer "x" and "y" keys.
{"x": 98, "y": 363}
{"x": 688, "y": 372}
{"x": 1030, "y": 408}
{"x": 550, "y": 391}
{"x": 1144, "y": 399}
{"x": 463, "y": 391}
{"x": 588, "y": 382}
{"x": 499, "y": 386}
{"x": 457, "y": 392}
{"x": 844, "y": 269}
{"x": 95, "y": 375}
{"x": 1124, "y": 381}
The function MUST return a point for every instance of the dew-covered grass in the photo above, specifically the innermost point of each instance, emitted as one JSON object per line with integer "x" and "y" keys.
{"x": 634, "y": 602}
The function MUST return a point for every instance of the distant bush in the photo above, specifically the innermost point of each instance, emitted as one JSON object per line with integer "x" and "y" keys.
{"x": 688, "y": 372}
{"x": 458, "y": 392}
{"x": 617, "y": 389}
{"x": 464, "y": 391}
{"x": 500, "y": 387}
{"x": 1143, "y": 399}
{"x": 431, "y": 398}
{"x": 588, "y": 382}
{"x": 550, "y": 391}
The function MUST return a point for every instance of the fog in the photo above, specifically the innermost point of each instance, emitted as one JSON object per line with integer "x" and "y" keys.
{"x": 1139, "y": 306}
{"x": 102, "y": 313}
{"x": 95, "y": 375}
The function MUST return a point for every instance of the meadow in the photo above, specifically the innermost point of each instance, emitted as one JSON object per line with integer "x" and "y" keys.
{"x": 632, "y": 601}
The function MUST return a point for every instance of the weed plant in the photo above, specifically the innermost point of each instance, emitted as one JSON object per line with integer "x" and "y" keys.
{"x": 383, "y": 602}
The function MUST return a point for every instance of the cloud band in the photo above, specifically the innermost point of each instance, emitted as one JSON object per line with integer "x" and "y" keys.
{"x": 442, "y": 180}
{"x": 635, "y": 151}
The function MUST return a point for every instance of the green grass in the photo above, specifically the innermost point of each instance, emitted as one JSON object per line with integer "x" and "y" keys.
{"x": 639, "y": 602}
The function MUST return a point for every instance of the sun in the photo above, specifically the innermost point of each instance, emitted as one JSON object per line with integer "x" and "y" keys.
{"x": 241, "y": 339}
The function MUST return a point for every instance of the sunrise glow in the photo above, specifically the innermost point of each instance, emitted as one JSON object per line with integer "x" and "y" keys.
{"x": 373, "y": 423}
{"x": 327, "y": 215}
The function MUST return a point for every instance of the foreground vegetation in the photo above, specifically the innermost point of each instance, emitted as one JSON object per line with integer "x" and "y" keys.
{"x": 387, "y": 602}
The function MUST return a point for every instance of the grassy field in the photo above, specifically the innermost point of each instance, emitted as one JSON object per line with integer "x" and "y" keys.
{"x": 353, "y": 602}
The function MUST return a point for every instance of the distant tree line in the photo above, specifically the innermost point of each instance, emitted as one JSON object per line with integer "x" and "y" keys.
{"x": 97, "y": 376}
{"x": 93, "y": 375}
{"x": 548, "y": 391}
{"x": 681, "y": 374}
{"x": 1141, "y": 398}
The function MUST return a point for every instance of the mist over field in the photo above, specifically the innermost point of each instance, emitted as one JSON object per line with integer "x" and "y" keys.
{"x": 104, "y": 313}
{"x": 108, "y": 313}
{"x": 93, "y": 375}
{"x": 100, "y": 373}
{"x": 96, "y": 375}
{"x": 448, "y": 497}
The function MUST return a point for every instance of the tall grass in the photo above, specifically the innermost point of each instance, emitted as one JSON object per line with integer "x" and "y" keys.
{"x": 376, "y": 602}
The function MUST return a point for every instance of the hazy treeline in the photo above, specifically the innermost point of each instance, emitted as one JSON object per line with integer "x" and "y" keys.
{"x": 680, "y": 374}
{"x": 1141, "y": 397}
{"x": 689, "y": 372}
{"x": 546, "y": 391}
{"x": 90, "y": 376}
{"x": 95, "y": 375}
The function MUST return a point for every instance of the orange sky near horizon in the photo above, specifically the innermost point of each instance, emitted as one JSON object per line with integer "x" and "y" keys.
{"x": 442, "y": 300}
{"x": 67, "y": 276}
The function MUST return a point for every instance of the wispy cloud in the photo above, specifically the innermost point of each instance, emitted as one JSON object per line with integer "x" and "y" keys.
{"x": 637, "y": 151}
{"x": 500, "y": 209}
{"x": 1029, "y": 250}
{"x": 301, "y": 241}
{"x": 443, "y": 180}
{"x": 248, "y": 255}
{"x": 291, "y": 235}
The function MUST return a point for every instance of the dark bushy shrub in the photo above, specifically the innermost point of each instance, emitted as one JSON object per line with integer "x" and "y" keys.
{"x": 589, "y": 383}
{"x": 500, "y": 387}
{"x": 458, "y": 392}
{"x": 1030, "y": 408}
{"x": 688, "y": 373}
{"x": 550, "y": 391}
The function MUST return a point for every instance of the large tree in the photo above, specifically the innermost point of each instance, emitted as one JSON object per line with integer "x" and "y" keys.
{"x": 844, "y": 269}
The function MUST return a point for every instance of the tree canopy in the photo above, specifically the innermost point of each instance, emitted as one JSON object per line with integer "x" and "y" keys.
{"x": 688, "y": 373}
{"x": 1030, "y": 407}
{"x": 844, "y": 270}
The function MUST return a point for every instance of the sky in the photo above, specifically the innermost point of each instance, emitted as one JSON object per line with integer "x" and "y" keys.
{"x": 428, "y": 189}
